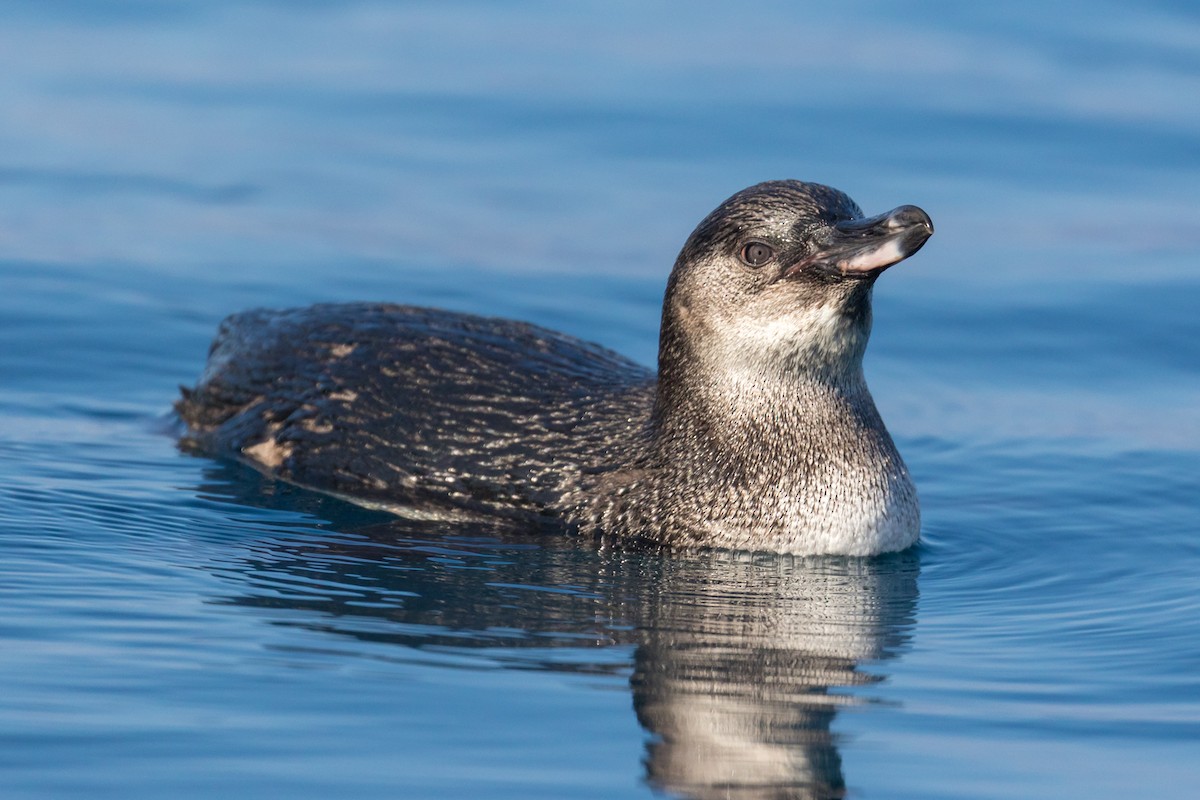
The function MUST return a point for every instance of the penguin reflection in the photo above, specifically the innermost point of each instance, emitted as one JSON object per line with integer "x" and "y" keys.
{"x": 739, "y": 663}
{"x": 739, "y": 660}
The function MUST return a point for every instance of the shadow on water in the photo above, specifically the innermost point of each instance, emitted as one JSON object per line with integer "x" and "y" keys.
{"x": 740, "y": 662}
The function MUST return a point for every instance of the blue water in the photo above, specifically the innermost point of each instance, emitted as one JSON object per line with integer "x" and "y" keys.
{"x": 174, "y": 626}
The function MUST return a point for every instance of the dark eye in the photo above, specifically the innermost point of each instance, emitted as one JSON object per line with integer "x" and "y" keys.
{"x": 756, "y": 254}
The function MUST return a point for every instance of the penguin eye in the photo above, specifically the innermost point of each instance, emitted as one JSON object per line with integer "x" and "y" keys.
{"x": 755, "y": 254}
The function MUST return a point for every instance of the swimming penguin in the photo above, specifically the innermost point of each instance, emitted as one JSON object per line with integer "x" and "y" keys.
{"x": 758, "y": 432}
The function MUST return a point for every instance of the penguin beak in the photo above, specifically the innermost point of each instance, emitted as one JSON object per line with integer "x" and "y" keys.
{"x": 862, "y": 248}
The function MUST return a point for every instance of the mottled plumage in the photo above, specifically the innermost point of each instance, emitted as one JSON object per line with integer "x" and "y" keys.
{"x": 759, "y": 432}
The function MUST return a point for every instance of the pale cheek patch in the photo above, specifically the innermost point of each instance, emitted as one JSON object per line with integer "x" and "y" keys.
{"x": 879, "y": 257}
{"x": 819, "y": 336}
{"x": 769, "y": 335}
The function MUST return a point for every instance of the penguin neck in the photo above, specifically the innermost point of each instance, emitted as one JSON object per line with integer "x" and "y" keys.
{"x": 776, "y": 389}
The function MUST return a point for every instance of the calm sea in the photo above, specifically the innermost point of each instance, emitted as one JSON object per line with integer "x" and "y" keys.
{"x": 175, "y": 626}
